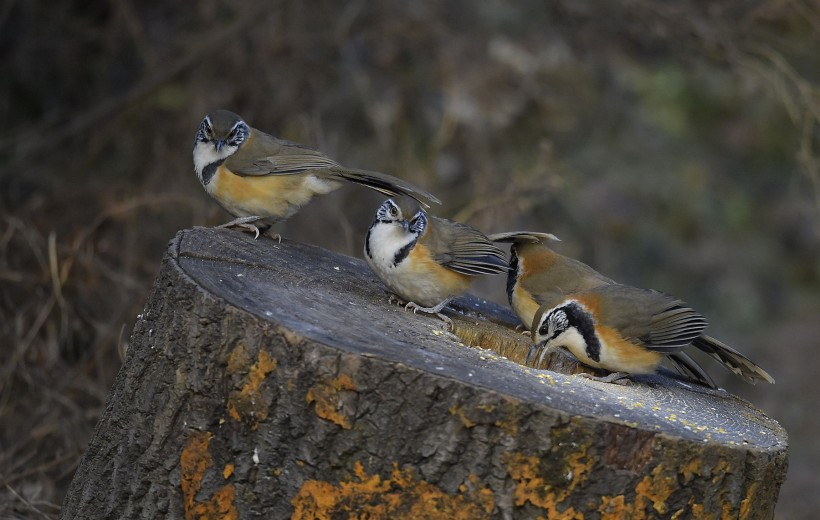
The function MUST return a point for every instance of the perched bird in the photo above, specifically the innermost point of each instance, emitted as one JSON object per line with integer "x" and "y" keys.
{"x": 605, "y": 324}
{"x": 426, "y": 260}
{"x": 262, "y": 180}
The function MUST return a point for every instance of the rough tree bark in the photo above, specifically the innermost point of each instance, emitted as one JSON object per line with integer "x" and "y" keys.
{"x": 271, "y": 380}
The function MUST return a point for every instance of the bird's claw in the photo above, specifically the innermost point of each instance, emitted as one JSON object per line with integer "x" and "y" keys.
{"x": 244, "y": 223}
{"x": 618, "y": 378}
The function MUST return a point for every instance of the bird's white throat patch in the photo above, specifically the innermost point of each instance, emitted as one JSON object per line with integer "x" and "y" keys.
{"x": 205, "y": 154}
{"x": 385, "y": 241}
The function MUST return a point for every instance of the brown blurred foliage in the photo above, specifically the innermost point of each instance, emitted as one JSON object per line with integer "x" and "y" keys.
{"x": 671, "y": 145}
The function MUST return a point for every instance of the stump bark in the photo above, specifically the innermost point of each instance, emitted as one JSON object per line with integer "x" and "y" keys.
{"x": 268, "y": 380}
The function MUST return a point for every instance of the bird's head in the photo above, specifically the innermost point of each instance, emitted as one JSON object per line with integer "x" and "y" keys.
{"x": 219, "y": 136}
{"x": 403, "y": 212}
{"x": 564, "y": 326}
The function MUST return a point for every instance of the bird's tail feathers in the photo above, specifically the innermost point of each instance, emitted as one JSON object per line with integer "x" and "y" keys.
{"x": 386, "y": 184}
{"x": 687, "y": 366}
{"x": 523, "y": 236}
{"x": 732, "y": 359}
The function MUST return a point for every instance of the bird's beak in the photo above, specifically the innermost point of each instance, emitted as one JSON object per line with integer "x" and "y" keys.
{"x": 531, "y": 355}
{"x": 536, "y": 355}
{"x": 218, "y": 144}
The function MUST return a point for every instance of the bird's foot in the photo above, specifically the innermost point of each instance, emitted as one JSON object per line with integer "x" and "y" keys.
{"x": 244, "y": 223}
{"x": 395, "y": 300}
{"x": 619, "y": 378}
{"x": 432, "y": 310}
{"x": 273, "y": 235}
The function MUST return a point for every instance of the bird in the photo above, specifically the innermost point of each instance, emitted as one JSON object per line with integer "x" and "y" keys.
{"x": 427, "y": 260}
{"x": 604, "y": 324}
{"x": 261, "y": 180}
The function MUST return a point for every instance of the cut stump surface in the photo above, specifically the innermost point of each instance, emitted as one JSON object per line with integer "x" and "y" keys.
{"x": 269, "y": 380}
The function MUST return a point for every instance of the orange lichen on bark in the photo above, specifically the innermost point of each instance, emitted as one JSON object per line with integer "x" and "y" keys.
{"x": 615, "y": 508}
{"x": 746, "y": 509}
{"x": 719, "y": 471}
{"x": 194, "y": 461}
{"x": 504, "y": 417}
{"x": 328, "y": 397}
{"x": 691, "y": 469}
{"x": 698, "y": 511}
{"x": 228, "y": 471}
{"x": 511, "y": 415}
{"x": 461, "y": 414}
{"x": 400, "y": 496}
{"x": 655, "y": 489}
{"x": 250, "y": 403}
{"x": 532, "y": 487}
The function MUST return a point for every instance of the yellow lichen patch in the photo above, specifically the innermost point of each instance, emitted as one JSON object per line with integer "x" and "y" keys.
{"x": 615, "y": 508}
{"x": 508, "y": 424}
{"x": 194, "y": 461}
{"x": 219, "y": 506}
{"x": 698, "y": 511}
{"x": 533, "y": 488}
{"x": 400, "y": 496}
{"x": 578, "y": 466}
{"x": 459, "y": 412}
{"x": 511, "y": 415}
{"x": 655, "y": 489}
{"x": 239, "y": 360}
{"x": 250, "y": 403}
{"x": 329, "y": 398}
{"x": 228, "y": 471}
{"x": 690, "y": 469}
{"x": 746, "y": 509}
{"x": 719, "y": 471}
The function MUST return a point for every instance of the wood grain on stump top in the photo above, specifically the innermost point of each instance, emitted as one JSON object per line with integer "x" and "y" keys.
{"x": 274, "y": 380}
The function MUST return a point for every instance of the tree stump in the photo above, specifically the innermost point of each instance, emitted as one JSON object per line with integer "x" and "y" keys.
{"x": 269, "y": 380}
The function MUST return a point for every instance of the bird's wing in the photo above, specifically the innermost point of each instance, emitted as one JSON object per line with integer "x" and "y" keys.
{"x": 463, "y": 249}
{"x": 659, "y": 321}
{"x": 264, "y": 154}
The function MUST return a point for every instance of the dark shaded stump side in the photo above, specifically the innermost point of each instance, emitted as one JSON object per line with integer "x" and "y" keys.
{"x": 272, "y": 380}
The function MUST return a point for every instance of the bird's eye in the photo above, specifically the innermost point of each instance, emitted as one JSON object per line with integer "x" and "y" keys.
{"x": 394, "y": 212}
{"x": 544, "y": 330}
{"x": 205, "y": 130}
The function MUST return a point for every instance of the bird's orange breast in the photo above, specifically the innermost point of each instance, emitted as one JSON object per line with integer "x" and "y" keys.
{"x": 524, "y": 305}
{"x": 422, "y": 280}
{"x": 277, "y": 196}
{"x": 422, "y": 263}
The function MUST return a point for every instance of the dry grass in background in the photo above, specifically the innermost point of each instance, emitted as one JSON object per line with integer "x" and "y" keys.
{"x": 671, "y": 146}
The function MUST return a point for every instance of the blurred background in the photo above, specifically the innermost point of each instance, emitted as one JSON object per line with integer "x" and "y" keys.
{"x": 670, "y": 145}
